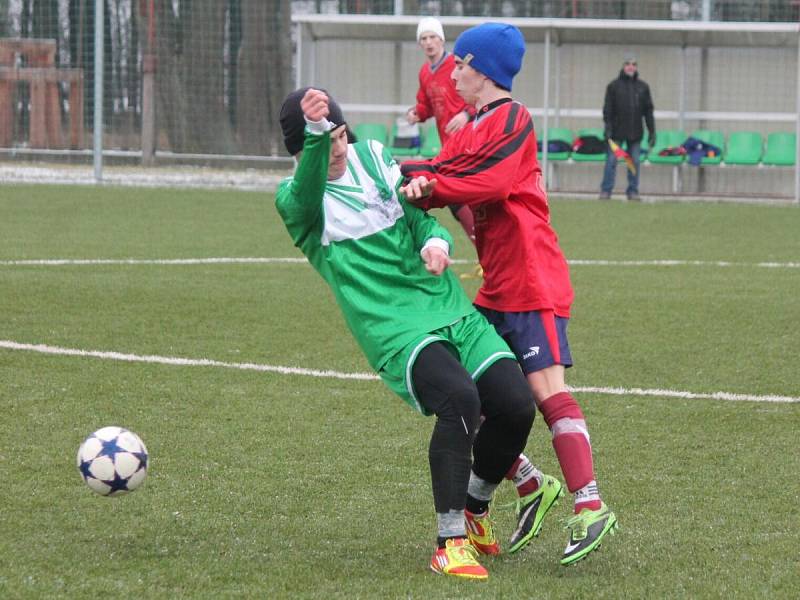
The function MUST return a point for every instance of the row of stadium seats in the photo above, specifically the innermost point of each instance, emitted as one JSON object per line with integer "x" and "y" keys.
{"x": 430, "y": 145}
{"x": 740, "y": 148}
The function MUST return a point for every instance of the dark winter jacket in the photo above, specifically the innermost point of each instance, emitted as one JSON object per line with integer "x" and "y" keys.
{"x": 627, "y": 102}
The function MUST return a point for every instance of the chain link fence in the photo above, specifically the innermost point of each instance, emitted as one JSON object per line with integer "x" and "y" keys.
{"x": 179, "y": 76}
{"x": 207, "y": 77}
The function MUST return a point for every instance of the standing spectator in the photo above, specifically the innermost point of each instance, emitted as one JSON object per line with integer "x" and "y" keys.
{"x": 491, "y": 165}
{"x": 437, "y": 98}
{"x": 386, "y": 264}
{"x": 627, "y": 103}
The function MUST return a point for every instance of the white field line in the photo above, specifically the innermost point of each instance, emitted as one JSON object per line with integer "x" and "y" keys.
{"x": 56, "y": 262}
{"x": 191, "y": 362}
{"x": 268, "y": 260}
{"x": 181, "y": 362}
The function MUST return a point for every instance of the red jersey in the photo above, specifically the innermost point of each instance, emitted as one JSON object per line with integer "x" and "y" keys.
{"x": 491, "y": 165}
{"x": 437, "y": 96}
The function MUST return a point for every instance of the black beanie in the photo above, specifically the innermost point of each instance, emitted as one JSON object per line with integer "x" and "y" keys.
{"x": 293, "y": 122}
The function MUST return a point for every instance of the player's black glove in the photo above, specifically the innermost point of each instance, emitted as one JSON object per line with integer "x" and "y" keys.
{"x": 607, "y": 132}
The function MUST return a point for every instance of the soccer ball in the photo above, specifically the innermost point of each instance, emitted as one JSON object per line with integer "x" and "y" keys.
{"x": 112, "y": 461}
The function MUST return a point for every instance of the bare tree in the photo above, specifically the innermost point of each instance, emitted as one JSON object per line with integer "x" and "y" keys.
{"x": 81, "y": 46}
{"x": 190, "y": 76}
{"x": 4, "y": 18}
{"x": 265, "y": 70}
{"x": 45, "y": 19}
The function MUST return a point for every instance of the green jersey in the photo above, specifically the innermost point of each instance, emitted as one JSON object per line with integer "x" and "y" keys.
{"x": 365, "y": 241}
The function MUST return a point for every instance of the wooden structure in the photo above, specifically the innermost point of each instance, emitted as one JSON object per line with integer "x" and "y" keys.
{"x": 37, "y": 58}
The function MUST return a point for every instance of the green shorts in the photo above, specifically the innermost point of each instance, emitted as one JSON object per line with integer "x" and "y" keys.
{"x": 473, "y": 341}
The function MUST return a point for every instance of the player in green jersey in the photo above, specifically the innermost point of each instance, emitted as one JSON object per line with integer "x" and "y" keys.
{"x": 386, "y": 264}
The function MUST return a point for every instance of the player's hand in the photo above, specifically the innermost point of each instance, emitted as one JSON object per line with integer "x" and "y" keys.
{"x": 412, "y": 116}
{"x": 418, "y": 188}
{"x": 456, "y": 123}
{"x": 314, "y": 105}
{"x": 436, "y": 260}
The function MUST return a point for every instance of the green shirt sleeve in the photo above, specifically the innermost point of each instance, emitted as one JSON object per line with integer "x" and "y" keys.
{"x": 423, "y": 226}
{"x": 299, "y": 198}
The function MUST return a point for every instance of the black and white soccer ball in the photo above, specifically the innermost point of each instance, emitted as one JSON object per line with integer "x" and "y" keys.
{"x": 113, "y": 461}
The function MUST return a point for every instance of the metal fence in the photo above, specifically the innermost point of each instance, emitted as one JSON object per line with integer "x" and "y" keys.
{"x": 198, "y": 80}
{"x": 144, "y": 76}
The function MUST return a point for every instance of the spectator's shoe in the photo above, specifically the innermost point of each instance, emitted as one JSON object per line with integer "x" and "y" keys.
{"x": 481, "y": 534}
{"x": 459, "y": 559}
{"x": 531, "y": 511}
{"x": 587, "y": 530}
{"x": 634, "y": 197}
{"x": 604, "y": 196}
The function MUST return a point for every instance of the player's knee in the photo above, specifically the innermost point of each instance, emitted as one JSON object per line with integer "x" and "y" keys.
{"x": 520, "y": 409}
{"x": 521, "y": 398}
{"x": 462, "y": 406}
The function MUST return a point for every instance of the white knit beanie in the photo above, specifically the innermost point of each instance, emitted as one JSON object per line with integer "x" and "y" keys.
{"x": 429, "y": 24}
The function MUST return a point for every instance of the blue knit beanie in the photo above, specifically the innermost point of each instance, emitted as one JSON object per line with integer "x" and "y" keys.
{"x": 494, "y": 49}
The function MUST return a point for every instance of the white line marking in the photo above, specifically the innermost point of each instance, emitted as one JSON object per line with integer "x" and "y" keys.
{"x": 184, "y": 362}
{"x": 155, "y": 261}
{"x": 55, "y": 262}
{"x": 680, "y": 263}
{"x": 686, "y": 395}
{"x": 204, "y": 362}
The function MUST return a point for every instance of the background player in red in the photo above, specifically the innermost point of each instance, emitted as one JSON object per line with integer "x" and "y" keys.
{"x": 491, "y": 165}
{"x": 437, "y": 98}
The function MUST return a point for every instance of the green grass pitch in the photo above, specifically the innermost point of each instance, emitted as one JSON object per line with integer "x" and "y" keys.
{"x": 270, "y": 485}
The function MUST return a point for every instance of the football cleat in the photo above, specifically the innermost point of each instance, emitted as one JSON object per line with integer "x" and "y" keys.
{"x": 531, "y": 511}
{"x": 481, "y": 534}
{"x": 587, "y": 530}
{"x": 459, "y": 559}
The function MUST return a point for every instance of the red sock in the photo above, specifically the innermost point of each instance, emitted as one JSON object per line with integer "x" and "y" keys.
{"x": 588, "y": 497}
{"x": 525, "y": 476}
{"x": 570, "y": 439}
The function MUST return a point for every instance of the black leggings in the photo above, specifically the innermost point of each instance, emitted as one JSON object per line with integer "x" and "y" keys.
{"x": 446, "y": 389}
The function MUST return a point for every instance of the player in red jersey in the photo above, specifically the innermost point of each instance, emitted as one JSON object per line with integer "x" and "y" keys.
{"x": 491, "y": 166}
{"x": 437, "y": 98}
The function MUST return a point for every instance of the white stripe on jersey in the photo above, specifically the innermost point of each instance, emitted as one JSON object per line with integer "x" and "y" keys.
{"x": 342, "y": 221}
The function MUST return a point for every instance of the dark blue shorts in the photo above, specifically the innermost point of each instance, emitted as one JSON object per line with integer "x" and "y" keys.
{"x": 537, "y": 338}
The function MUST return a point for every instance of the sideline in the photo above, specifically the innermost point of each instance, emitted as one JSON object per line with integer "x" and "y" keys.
{"x": 190, "y": 362}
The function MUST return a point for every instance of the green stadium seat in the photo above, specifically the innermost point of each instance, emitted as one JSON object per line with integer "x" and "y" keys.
{"x": 667, "y": 138}
{"x": 402, "y": 150}
{"x": 557, "y": 134}
{"x": 586, "y": 132}
{"x": 715, "y": 138}
{"x": 781, "y": 149}
{"x": 431, "y": 144}
{"x": 744, "y": 148}
{"x": 372, "y": 131}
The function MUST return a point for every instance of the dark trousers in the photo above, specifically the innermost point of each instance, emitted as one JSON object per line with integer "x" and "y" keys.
{"x": 610, "y": 170}
{"x": 501, "y": 395}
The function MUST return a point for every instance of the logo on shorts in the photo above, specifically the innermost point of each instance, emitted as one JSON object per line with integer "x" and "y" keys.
{"x": 534, "y": 352}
